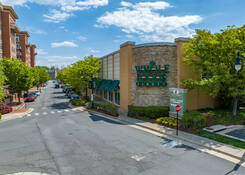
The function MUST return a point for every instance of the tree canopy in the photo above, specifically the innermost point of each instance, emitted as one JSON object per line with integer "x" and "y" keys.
{"x": 79, "y": 73}
{"x": 2, "y": 78}
{"x": 214, "y": 56}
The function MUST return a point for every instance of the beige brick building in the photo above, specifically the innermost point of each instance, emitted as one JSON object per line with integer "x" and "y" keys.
{"x": 141, "y": 75}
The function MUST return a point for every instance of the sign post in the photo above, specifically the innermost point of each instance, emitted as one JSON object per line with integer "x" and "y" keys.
{"x": 177, "y": 97}
{"x": 177, "y": 109}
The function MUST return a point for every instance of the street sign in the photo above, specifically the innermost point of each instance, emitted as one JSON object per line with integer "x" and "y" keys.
{"x": 177, "y": 108}
{"x": 177, "y": 97}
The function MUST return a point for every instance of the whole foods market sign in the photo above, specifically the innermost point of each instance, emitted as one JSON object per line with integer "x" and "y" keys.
{"x": 152, "y": 75}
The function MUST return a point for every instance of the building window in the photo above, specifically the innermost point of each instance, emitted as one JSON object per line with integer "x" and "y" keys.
{"x": 110, "y": 96}
{"x": 105, "y": 94}
{"x": 117, "y": 97}
{"x": 17, "y": 39}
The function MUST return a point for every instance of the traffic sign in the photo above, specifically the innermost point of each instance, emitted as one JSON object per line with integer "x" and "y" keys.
{"x": 177, "y": 108}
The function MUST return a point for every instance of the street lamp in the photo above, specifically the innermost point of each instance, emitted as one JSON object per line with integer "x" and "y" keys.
{"x": 238, "y": 63}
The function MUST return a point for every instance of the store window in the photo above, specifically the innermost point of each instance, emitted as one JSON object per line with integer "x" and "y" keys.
{"x": 110, "y": 96}
{"x": 117, "y": 97}
{"x": 105, "y": 94}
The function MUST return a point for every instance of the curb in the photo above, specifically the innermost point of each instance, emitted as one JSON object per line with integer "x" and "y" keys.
{"x": 18, "y": 115}
{"x": 174, "y": 136}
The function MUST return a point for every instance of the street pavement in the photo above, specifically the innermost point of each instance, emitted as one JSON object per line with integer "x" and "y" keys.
{"x": 56, "y": 139}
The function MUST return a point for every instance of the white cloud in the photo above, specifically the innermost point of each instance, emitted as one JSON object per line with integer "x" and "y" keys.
{"x": 56, "y": 16}
{"x": 64, "y": 44}
{"x": 82, "y": 38}
{"x": 41, "y": 52}
{"x": 93, "y": 3}
{"x": 66, "y": 7}
{"x": 145, "y": 20}
{"x": 93, "y": 51}
{"x": 57, "y": 60}
{"x": 35, "y": 30}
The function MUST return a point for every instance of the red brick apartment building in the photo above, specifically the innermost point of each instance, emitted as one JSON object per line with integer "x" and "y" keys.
{"x": 13, "y": 42}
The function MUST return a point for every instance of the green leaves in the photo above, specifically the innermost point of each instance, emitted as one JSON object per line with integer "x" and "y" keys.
{"x": 79, "y": 73}
{"x": 18, "y": 76}
{"x": 215, "y": 54}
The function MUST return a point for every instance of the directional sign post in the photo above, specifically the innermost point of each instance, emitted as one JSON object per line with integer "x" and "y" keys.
{"x": 177, "y": 109}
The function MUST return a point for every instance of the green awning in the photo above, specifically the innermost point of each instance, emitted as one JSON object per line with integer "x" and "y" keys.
{"x": 106, "y": 85}
{"x": 113, "y": 85}
{"x": 100, "y": 84}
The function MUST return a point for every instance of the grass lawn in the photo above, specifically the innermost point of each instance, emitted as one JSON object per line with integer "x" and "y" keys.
{"x": 222, "y": 139}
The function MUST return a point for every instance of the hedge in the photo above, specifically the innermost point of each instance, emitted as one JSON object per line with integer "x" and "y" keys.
{"x": 106, "y": 108}
{"x": 150, "y": 112}
{"x": 193, "y": 120}
{"x": 79, "y": 102}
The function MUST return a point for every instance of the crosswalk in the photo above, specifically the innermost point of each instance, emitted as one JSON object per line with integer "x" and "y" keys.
{"x": 51, "y": 112}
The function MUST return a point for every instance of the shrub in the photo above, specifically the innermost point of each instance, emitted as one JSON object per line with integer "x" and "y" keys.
{"x": 4, "y": 109}
{"x": 150, "y": 112}
{"x": 79, "y": 102}
{"x": 168, "y": 121}
{"x": 194, "y": 120}
{"x": 0, "y": 116}
{"x": 106, "y": 108}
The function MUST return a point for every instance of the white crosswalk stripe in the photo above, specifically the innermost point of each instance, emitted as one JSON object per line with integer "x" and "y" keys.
{"x": 59, "y": 111}
{"x": 52, "y": 112}
{"x": 28, "y": 115}
{"x": 36, "y": 114}
{"x": 45, "y": 113}
{"x": 66, "y": 110}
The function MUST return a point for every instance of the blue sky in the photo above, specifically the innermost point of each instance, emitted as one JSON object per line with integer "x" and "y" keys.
{"x": 67, "y": 30}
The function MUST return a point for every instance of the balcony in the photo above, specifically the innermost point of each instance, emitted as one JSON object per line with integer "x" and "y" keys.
{"x": 19, "y": 54}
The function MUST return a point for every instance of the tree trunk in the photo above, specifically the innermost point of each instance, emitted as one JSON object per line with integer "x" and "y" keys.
{"x": 19, "y": 94}
{"x": 236, "y": 99}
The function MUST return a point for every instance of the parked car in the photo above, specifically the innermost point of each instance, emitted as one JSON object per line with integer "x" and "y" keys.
{"x": 57, "y": 86}
{"x": 68, "y": 90}
{"x": 4, "y": 109}
{"x": 70, "y": 93}
{"x": 30, "y": 98}
{"x": 75, "y": 96}
{"x": 37, "y": 92}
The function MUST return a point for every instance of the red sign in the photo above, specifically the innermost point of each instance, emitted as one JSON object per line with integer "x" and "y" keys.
{"x": 177, "y": 108}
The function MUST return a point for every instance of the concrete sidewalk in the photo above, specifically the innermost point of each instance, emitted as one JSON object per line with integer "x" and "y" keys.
{"x": 17, "y": 114}
{"x": 228, "y": 150}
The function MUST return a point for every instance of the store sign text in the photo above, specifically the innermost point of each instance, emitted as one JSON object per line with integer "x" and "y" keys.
{"x": 152, "y": 75}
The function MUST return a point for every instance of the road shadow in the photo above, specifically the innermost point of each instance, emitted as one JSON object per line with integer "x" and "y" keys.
{"x": 61, "y": 97}
{"x": 62, "y": 105}
{"x": 237, "y": 166}
{"x": 58, "y": 92}
{"x": 96, "y": 118}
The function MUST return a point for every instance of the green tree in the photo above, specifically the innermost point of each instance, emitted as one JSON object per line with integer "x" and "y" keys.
{"x": 18, "y": 76}
{"x": 2, "y": 78}
{"x": 214, "y": 55}
{"x": 78, "y": 74}
{"x": 40, "y": 75}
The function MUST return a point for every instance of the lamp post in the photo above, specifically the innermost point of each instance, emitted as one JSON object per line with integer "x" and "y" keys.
{"x": 238, "y": 67}
{"x": 238, "y": 63}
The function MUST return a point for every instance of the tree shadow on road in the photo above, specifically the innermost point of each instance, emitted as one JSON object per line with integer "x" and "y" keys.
{"x": 237, "y": 166}
{"x": 62, "y": 105}
{"x": 60, "y": 97}
{"x": 58, "y": 92}
{"x": 97, "y": 118}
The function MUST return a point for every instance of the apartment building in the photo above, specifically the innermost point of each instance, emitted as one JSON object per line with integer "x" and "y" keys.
{"x": 9, "y": 29}
{"x": 13, "y": 42}
{"x": 33, "y": 55}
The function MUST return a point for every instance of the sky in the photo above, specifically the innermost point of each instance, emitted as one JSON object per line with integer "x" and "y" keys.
{"x": 66, "y": 31}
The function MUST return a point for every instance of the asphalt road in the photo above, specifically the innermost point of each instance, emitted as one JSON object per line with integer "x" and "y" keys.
{"x": 55, "y": 139}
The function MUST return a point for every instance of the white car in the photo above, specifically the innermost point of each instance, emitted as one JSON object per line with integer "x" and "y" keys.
{"x": 37, "y": 93}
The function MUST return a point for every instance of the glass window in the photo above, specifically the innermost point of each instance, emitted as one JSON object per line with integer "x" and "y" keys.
{"x": 110, "y": 96}
{"x": 105, "y": 94}
{"x": 117, "y": 97}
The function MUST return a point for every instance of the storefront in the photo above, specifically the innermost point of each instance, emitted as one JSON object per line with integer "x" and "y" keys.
{"x": 141, "y": 75}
